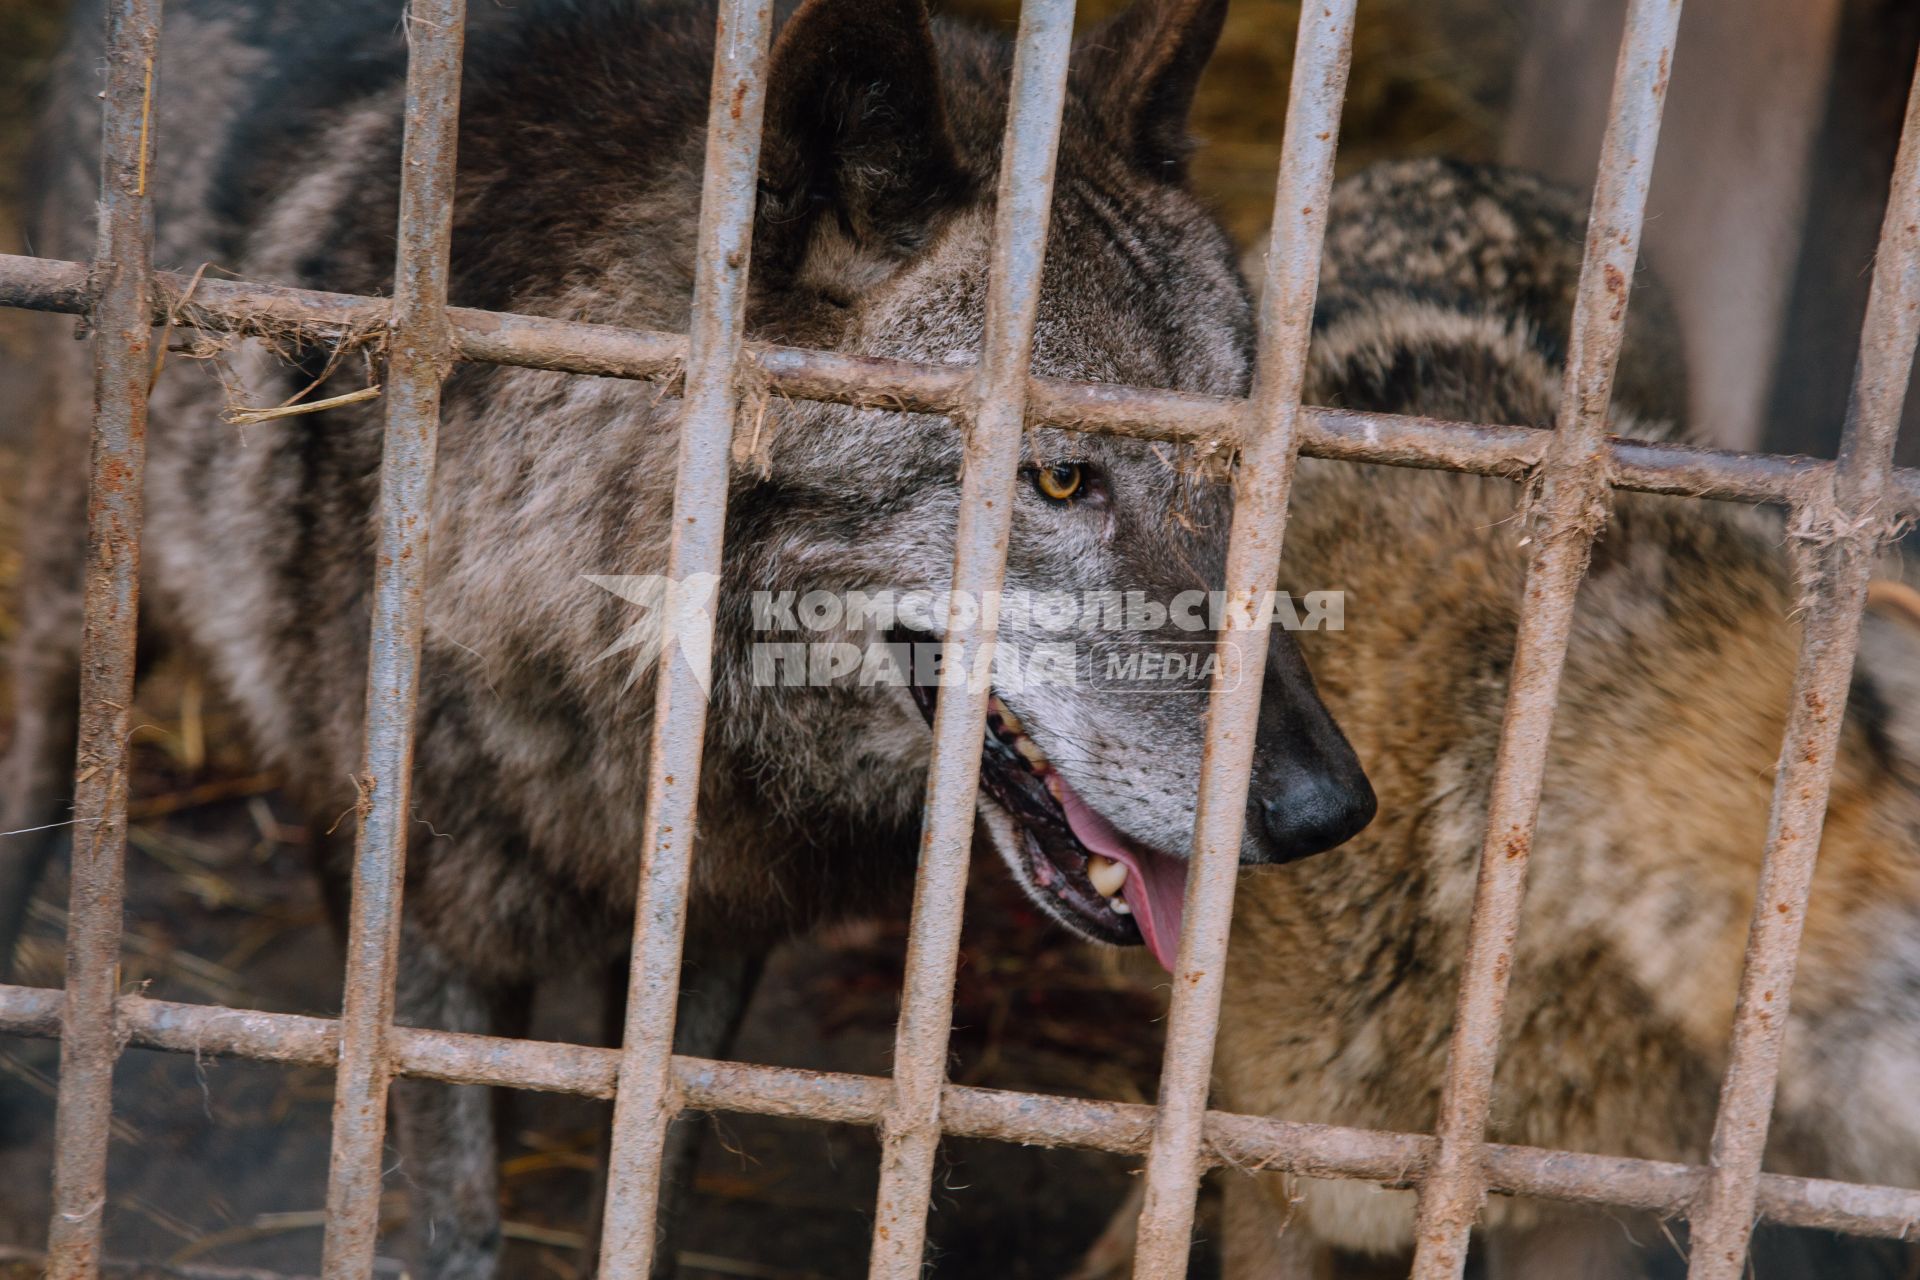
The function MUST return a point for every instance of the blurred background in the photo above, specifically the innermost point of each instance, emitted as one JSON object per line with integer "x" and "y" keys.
{"x": 1762, "y": 222}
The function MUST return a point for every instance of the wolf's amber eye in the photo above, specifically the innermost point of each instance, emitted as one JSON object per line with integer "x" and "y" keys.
{"x": 1060, "y": 482}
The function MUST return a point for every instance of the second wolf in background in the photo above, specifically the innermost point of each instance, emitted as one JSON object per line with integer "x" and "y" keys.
{"x": 1446, "y": 292}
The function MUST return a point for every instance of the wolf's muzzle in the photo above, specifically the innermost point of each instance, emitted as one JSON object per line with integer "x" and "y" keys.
{"x": 1309, "y": 792}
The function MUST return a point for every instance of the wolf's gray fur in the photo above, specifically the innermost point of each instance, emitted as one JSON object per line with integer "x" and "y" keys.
{"x": 581, "y": 145}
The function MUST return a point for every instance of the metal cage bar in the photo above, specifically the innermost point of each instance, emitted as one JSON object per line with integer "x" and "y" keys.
{"x": 1852, "y": 528}
{"x": 910, "y": 1127}
{"x": 541, "y": 342}
{"x": 122, "y": 367}
{"x": 1571, "y": 509}
{"x": 1851, "y": 505}
{"x": 647, "y": 1103}
{"x": 418, "y": 357}
{"x": 1262, "y": 483}
{"x": 1124, "y": 1128}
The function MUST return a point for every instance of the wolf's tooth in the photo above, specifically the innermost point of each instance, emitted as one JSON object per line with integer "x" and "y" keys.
{"x": 1120, "y": 907}
{"x": 1106, "y": 874}
{"x": 1029, "y": 750}
{"x": 1001, "y": 709}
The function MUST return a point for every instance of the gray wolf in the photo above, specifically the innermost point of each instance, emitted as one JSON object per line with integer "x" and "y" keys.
{"x": 1444, "y": 293}
{"x": 580, "y": 152}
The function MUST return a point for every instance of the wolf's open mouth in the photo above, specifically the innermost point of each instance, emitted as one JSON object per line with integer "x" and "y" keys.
{"x": 1085, "y": 872}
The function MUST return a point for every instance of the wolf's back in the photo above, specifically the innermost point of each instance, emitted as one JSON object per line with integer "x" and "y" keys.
{"x": 241, "y": 86}
{"x": 1654, "y": 809}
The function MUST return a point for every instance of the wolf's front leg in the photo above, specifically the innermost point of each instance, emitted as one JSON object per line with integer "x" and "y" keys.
{"x": 449, "y": 1158}
{"x": 717, "y": 981}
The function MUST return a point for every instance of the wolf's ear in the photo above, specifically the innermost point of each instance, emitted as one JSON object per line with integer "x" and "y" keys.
{"x": 1140, "y": 69}
{"x": 856, "y": 129}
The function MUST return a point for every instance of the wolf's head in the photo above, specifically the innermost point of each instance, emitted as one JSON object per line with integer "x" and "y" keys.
{"x": 882, "y": 144}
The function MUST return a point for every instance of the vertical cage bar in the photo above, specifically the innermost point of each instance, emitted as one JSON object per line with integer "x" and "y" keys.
{"x": 1262, "y": 484}
{"x": 122, "y": 364}
{"x": 646, "y": 1102}
{"x": 1830, "y": 637}
{"x": 1572, "y": 498}
{"x": 990, "y": 469}
{"x": 419, "y": 353}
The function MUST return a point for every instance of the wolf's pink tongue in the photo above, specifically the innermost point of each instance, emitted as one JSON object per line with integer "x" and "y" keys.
{"x": 1156, "y": 887}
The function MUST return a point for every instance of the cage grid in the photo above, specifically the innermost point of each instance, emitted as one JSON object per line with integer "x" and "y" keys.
{"x": 1858, "y": 498}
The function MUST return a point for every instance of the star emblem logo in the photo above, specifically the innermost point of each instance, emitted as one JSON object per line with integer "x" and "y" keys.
{"x": 676, "y": 617}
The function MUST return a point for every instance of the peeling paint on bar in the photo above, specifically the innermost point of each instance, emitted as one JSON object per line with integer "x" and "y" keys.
{"x": 1830, "y": 636}
{"x": 993, "y": 424}
{"x": 419, "y": 354}
{"x": 121, "y": 301}
{"x": 647, "y": 1099}
{"x": 1570, "y": 510}
{"x": 1262, "y": 484}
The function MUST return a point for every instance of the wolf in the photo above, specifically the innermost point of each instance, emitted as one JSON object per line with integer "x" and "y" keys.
{"x": 1446, "y": 291}
{"x": 580, "y": 151}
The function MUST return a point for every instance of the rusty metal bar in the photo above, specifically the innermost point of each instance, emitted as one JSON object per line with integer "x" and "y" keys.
{"x": 990, "y": 466}
{"x": 541, "y": 342}
{"x": 1235, "y": 1141}
{"x": 647, "y": 1099}
{"x": 1262, "y": 484}
{"x": 1571, "y": 509}
{"x": 419, "y": 353}
{"x": 122, "y": 341}
{"x": 1850, "y": 527}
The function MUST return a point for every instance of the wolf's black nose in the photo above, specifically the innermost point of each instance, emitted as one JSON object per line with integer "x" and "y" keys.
{"x": 1312, "y": 811}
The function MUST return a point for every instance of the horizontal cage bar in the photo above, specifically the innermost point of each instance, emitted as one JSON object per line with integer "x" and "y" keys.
{"x": 1124, "y": 1128}
{"x": 539, "y": 342}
